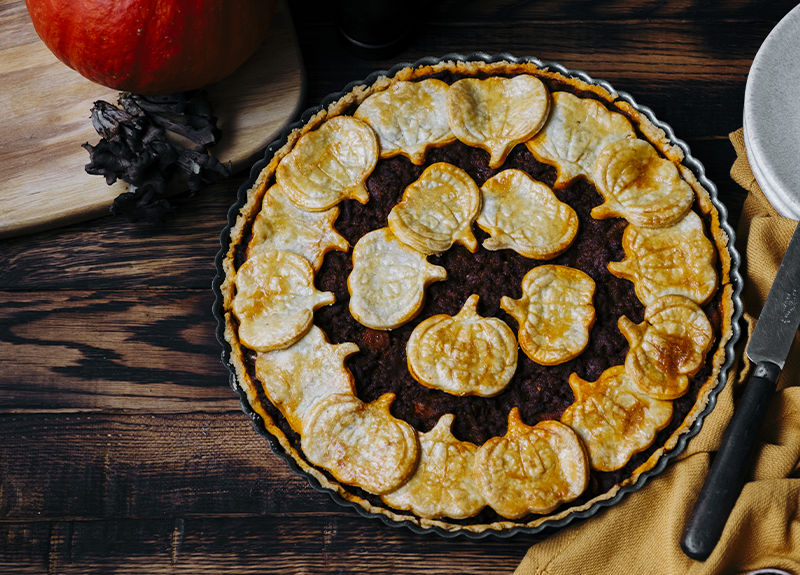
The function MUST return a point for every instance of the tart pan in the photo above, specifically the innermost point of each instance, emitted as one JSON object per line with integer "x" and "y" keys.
{"x": 548, "y": 526}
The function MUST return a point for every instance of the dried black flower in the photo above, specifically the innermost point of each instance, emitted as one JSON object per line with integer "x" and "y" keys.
{"x": 134, "y": 148}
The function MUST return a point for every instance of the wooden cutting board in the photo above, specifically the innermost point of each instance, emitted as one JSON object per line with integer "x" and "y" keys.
{"x": 45, "y": 116}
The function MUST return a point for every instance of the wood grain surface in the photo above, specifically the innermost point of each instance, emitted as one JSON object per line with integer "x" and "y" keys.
{"x": 45, "y": 111}
{"x": 123, "y": 448}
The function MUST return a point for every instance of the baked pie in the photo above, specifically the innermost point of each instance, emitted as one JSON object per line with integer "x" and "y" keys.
{"x": 477, "y": 296}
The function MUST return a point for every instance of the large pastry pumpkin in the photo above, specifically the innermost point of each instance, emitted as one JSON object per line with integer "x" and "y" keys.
{"x": 152, "y": 46}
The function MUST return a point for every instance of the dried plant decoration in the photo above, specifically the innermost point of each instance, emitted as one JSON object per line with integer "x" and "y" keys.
{"x": 139, "y": 147}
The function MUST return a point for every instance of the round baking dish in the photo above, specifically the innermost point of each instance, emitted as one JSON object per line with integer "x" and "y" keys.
{"x": 566, "y": 515}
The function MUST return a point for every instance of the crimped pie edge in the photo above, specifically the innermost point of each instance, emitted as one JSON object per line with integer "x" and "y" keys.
{"x": 655, "y": 135}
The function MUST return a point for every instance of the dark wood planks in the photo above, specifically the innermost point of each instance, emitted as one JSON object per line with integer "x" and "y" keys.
{"x": 149, "y": 350}
{"x": 118, "y": 465}
{"x": 283, "y": 545}
{"x": 692, "y": 74}
{"x": 446, "y": 11}
{"x": 158, "y": 493}
{"x": 110, "y": 253}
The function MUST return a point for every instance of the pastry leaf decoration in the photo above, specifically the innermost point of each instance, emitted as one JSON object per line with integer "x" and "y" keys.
{"x": 575, "y": 132}
{"x": 409, "y": 118}
{"x": 361, "y": 443}
{"x": 554, "y": 314}
{"x": 639, "y": 185}
{"x": 531, "y": 469}
{"x": 329, "y": 164}
{"x": 281, "y": 226}
{"x": 298, "y": 377}
{"x": 677, "y": 259}
{"x": 387, "y": 284}
{"x": 443, "y": 485}
{"x": 496, "y": 114}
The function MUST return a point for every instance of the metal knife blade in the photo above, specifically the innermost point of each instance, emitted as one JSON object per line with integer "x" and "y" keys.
{"x": 768, "y": 348}
{"x": 774, "y": 332}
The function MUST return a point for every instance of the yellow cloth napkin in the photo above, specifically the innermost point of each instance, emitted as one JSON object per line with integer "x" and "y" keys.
{"x": 641, "y": 534}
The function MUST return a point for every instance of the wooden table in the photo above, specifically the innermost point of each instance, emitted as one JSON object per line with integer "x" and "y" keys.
{"x": 122, "y": 447}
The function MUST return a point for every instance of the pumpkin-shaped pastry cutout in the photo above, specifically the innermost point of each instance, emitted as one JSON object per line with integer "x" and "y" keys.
{"x": 668, "y": 347}
{"x": 387, "y": 284}
{"x": 409, "y": 118}
{"x": 524, "y": 215}
{"x": 554, "y": 314}
{"x": 613, "y": 418}
{"x": 577, "y": 129}
{"x": 678, "y": 259}
{"x": 531, "y": 469}
{"x": 496, "y": 114}
{"x": 443, "y": 485}
{"x": 639, "y": 185}
{"x": 437, "y": 210}
{"x": 281, "y": 226}
{"x": 275, "y": 300}
{"x": 465, "y": 354}
{"x": 298, "y": 377}
{"x": 361, "y": 444}
{"x": 329, "y": 165}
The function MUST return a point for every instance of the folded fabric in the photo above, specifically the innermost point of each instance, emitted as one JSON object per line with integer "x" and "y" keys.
{"x": 641, "y": 534}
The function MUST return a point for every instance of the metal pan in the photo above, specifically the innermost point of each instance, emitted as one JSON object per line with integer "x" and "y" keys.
{"x": 548, "y": 526}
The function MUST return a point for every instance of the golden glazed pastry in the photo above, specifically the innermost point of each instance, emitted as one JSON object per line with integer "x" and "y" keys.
{"x": 398, "y": 251}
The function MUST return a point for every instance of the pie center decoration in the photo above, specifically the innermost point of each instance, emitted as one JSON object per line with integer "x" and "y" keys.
{"x": 437, "y": 210}
{"x": 464, "y": 355}
{"x": 524, "y": 215}
{"x": 554, "y": 314}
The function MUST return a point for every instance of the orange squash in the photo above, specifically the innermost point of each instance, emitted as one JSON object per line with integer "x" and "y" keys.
{"x": 152, "y": 47}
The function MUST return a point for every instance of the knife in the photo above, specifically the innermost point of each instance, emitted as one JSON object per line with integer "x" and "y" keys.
{"x": 767, "y": 349}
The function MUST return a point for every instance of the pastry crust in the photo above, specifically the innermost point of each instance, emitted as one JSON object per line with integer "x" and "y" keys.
{"x": 325, "y": 472}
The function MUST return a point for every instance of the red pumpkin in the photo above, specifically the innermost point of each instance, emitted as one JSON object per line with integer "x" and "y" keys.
{"x": 152, "y": 46}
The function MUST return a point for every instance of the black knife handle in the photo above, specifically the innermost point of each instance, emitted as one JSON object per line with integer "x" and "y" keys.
{"x": 726, "y": 477}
